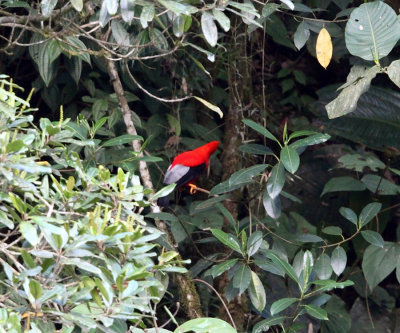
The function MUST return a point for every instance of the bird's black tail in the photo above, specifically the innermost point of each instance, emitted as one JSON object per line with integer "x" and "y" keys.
{"x": 163, "y": 201}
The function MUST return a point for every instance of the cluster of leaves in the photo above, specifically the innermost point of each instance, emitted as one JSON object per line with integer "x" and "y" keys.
{"x": 76, "y": 253}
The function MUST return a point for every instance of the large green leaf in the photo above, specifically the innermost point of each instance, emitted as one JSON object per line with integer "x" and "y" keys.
{"x": 375, "y": 122}
{"x": 257, "y": 292}
{"x": 369, "y": 212}
{"x": 281, "y": 305}
{"x": 217, "y": 270}
{"x": 316, "y": 312}
{"x": 264, "y": 325}
{"x": 272, "y": 206}
{"x": 301, "y": 35}
{"x": 338, "y": 260}
{"x": 260, "y": 129}
{"x": 290, "y": 159}
{"x": 286, "y": 266}
{"x": 379, "y": 262}
{"x": 276, "y": 180}
{"x": 379, "y": 185}
{"x": 373, "y": 238}
{"x": 358, "y": 82}
{"x": 205, "y": 325}
{"x": 372, "y": 30}
{"x": 244, "y": 175}
{"x": 209, "y": 28}
{"x": 323, "y": 267}
{"x": 339, "y": 184}
{"x": 227, "y": 239}
{"x": 242, "y": 278}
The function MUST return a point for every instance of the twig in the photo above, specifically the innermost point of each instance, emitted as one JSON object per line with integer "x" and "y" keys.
{"x": 175, "y": 100}
{"x": 220, "y": 298}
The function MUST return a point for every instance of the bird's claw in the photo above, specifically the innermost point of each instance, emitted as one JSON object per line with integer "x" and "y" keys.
{"x": 193, "y": 188}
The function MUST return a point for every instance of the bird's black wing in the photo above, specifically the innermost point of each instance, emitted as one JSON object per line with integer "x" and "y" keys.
{"x": 191, "y": 174}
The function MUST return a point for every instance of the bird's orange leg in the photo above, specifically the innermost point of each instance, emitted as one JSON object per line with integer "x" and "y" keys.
{"x": 193, "y": 188}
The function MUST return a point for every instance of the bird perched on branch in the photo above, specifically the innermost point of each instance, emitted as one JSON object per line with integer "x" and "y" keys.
{"x": 187, "y": 167}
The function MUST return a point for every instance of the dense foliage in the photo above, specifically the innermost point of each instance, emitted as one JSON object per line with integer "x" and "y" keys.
{"x": 296, "y": 229}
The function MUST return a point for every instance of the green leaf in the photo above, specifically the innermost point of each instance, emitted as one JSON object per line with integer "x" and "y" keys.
{"x": 398, "y": 270}
{"x": 311, "y": 140}
{"x": 178, "y": 26}
{"x": 260, "y": 129}
{"x": 331, "y": 230}
{"x": 272, "y": 206}
{"x": 264, "y": 325}
{"x": 127, "y": 10}
{"x": 255, "y": 149}
{"x": 308, "y": 264}
{"x": 45, "y": 62}
{"x": 393, "y": 71}
{"x": 164, "y": 191}
{"x": 327, "y": 285}
{"x": 316, "y": 312}
{"x": 246, "y": 7}
{"x": 379, "y": 262}
{"x": 269, "y": 9}
{"x": 281, "y": 305}
{"x": 104, "y": 16}
{"x": 74, "y": 68}
{"x": 358, "y": 162}
{"x": 112, "y": 6}
{"x": 120, "y": 140}
{"x": 77, "y": 4}
{"x": 242, "y": 278}
{"x": 290, "y": 159}
{"x": 380, "y": 185}
{"x": 276, "y": 180}
{"x": 209, "y": 28}
{"x": 14, "y": 146}
{"x": 28, "y": 231}
{"x": 323, "y": 267}
{"x": 254, "y": 242}
{"x": 288, "y": 3}
{"x": 286, "y": 267}
{"x": 82, "y": 265}
{"x": 368, "y": 213}
{"x": 358, "y": 82}
{"x": 372, "y": 30}
{"x": 222, "y": 19}
{"x": 47, "y": 7}
{"x": 349, "y": 214}
{"x": 338, "y": 260}
{"x": 217, "y": 270}
{"x": 35, "y": 289}
{"x": 257, "y": 292}
{"x": 75, "y": 47}
{"x": 245, "y": 175}
{"x": 205, "y": 325}
{"x": 210, "y": 106}
{"x": 301, "y": 35}
{"x": 227, "y": 239}
{"x": 120, "y": 34}
{"x": 373, "y": 238}
{"x": 339, "y": 184}
{"x": 147, "y": 15}
{"x": 178, "y": 8}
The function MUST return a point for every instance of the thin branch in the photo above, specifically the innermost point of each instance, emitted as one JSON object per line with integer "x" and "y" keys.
{"x": 175, "y": 100}
{"x": 220, "y": 298}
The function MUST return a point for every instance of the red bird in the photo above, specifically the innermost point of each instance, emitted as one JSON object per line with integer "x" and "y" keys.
{"x": 187, "y": 167}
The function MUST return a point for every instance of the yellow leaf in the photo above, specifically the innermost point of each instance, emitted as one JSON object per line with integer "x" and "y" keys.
{"x": 324, "y": 48}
